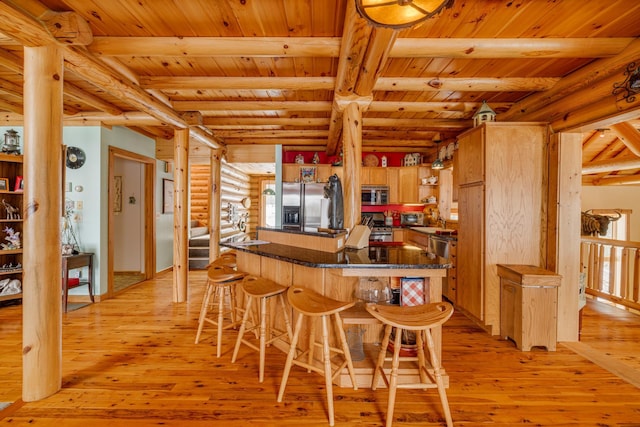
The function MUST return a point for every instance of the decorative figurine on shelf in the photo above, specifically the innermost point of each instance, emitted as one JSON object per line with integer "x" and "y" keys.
{"x": 11, "y": 143}
{"x": 69, "y": 240}
{"x": 316, "y": 158}
{"x": 299, "y": 159}
{"x": 12, "y": 211}
{"x": 484, "y": 114}
{"x": 13, "y": 237}
{"x": 10, "y": 287}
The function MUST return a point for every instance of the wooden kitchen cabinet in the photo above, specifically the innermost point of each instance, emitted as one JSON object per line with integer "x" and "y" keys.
{"x": 373, "y": 176}
{"x": 449, "y": 283}
{"x": 291, "y": 172}
{"x": 408, "y": 184}
{"x": 501, "y": 198}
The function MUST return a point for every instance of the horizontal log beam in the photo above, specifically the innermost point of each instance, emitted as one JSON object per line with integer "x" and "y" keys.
{"x": 484, "y": 84}
{"x": 610, "y": 165}
{"x": 629, "y": 135}
{"x": 236, "y": 83}
{"x": 472, "y": 48}
{"x": 622, "y": 180}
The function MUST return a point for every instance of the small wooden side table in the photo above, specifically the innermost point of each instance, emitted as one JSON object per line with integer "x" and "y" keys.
{"x": 528, "y": 305}
{"x": 72, "y": 262}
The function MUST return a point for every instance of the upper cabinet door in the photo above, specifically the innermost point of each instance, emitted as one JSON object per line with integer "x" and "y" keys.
{"x": 471, "y": 156}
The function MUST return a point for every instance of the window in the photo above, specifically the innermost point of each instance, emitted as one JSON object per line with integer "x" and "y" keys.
{"x": 268, "y": 203}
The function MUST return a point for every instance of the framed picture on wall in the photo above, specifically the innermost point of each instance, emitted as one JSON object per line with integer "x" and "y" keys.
{"x": 167, "y": 196}
{"x": 4, "y": 184}
{"x": 117, "y": 194}
{"x": 308, "y": 174}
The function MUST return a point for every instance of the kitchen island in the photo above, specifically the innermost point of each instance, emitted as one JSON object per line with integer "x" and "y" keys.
{"x": 338, "y": 274}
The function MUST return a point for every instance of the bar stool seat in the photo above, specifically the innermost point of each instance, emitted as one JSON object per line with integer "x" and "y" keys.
{"x": 261, "y": 289}
{"x": 226, "y": 259}
{"x": 311, "y": 304}
{"x": 221, "y": 283}
{"x": 421, "y": 319}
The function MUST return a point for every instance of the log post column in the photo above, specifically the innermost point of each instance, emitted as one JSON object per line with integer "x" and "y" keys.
{"x": 180, "y": 215}
{"x": 42, "y": 303}
{"x": 214, "y": 205}
{"x": 352, "y": 108}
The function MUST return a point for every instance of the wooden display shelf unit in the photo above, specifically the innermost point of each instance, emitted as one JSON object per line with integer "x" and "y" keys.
{"x": 11, "y": 168}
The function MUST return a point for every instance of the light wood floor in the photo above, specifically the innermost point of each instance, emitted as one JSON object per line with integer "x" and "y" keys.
{"x": 131, "y": 362}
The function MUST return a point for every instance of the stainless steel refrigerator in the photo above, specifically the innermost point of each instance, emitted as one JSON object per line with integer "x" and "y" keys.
{"x": 302, "y": 207}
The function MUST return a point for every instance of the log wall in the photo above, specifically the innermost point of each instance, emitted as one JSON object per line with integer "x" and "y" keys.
{"x": 235, "y": 186}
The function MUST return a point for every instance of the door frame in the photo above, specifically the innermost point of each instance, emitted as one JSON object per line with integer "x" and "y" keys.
{"x": 149, "y": 238}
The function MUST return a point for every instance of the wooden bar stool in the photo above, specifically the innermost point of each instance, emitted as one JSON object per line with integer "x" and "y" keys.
{"x": 261, "y": 289}
{"x": 309, "y": 303}
{"x": 227, "y": 259}
{"x": 221, "y": 282}
{"x": 421, "y": 319}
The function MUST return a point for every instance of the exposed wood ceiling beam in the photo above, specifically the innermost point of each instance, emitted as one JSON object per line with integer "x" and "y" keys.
{"x": 526, "y": 48}
{"x": 629, "y": 135}
{"x": 225, "y": 123}
{"x": 484, "y": 84}
{"x": 610, "y": 165}
{"x": 580, "y": 79}
{"x": 255, "y": 105}
{"x": 30, "y": 32}
{"x": 623, "y": 180}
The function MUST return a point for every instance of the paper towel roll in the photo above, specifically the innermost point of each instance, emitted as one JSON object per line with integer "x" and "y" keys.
{"x": 324, "y": 213}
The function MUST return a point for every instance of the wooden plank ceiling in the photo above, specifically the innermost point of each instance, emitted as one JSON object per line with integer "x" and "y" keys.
{"x": 249, "y": 74}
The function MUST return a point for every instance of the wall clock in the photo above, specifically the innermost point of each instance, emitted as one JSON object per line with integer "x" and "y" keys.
{"x": 75, "y": 157}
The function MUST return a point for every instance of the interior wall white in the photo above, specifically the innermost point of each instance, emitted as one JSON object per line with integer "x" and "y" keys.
{"x": 128, "y": 224}
{"x": 615, "y": 197}
{"x": 164, "y": 222}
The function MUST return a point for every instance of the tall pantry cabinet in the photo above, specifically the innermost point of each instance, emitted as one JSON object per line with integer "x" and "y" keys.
{"x": 501, "y": 205}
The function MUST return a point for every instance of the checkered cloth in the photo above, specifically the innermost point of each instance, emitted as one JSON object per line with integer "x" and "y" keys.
{"x": 412, "y": 292}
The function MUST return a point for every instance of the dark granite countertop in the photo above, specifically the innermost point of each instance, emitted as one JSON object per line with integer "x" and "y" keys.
{"x": 374, "y": 256}
{"x": 308, "y": 232}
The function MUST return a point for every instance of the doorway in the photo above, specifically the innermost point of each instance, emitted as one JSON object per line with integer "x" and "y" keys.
{"x": 131, "y": 219}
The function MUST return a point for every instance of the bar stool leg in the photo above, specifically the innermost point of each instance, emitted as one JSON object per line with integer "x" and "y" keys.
{"x": 326, "y": 357}
{"x": 345, "y": 350}
{"x": 393, "y": 381}
{"x": 290, "y": 356}
{"x": 287, "y": 321}
{"x": 263, "y": 336}
{"x": 220, "y": 293}
{"x": 438, "y": 377}
{"x": 381, "y": 355}
{"x": 203, "y": 310}
{"x": 243, "y": 327}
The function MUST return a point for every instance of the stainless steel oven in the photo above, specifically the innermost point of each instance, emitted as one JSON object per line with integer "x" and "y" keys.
{"x": 381, "y": 234}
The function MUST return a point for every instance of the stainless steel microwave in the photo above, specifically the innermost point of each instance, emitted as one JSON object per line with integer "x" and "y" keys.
{"x": 412, "y": 218}
{"x": 375, "y": 195}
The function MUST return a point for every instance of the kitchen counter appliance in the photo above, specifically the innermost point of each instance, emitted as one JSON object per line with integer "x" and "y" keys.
{"x": 412, "y": 218}
{"x": 302, "y": 206}
{"x": 375, "y": 195}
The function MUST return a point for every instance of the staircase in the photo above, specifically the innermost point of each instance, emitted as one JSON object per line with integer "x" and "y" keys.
{"x": 198, "y": 246}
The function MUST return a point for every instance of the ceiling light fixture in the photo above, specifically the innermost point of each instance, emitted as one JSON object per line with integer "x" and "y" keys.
{"x": 400, "y": 14}
{"x": 437, "y": 163}
{"x": 631, "y": 85}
